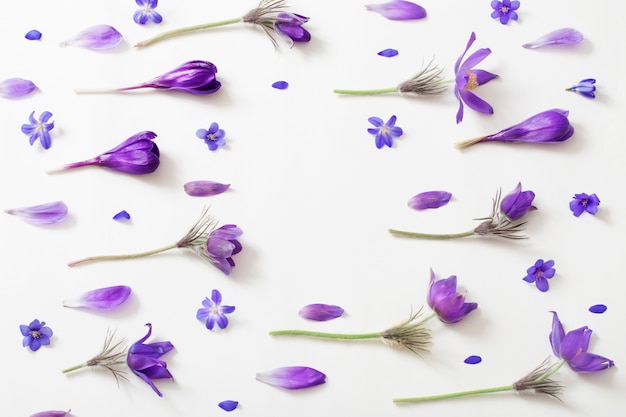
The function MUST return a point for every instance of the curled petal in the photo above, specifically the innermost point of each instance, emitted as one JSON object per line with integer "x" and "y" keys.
{"x": 100, "y": 299}
{"x": 517, "y": 203}
{"x": 51, "y": 413}
{"x": 320, "y": 312}
{"x": 292, "y": 377}
{"x": 228, "y": 405}
{"x": 429, "y": 199}
{"x": 204, "y": 188}
{"x": 48, "y": 213}
{"x": 96, "y": 37}
{"x": 398, "y": 10}
{"x": 280, "y": 85}
{"x": 16, "y": 88}
{"x": 565, "y": 36}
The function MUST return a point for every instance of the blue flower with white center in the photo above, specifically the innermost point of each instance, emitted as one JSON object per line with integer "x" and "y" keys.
{"x": 214, "y": 137}
{"x": 585, "y": 88}
{"x": 36, "y": 334}
{"x": 214, "y": 312}
{"x": 147, "y": 12}
{"x": 384, "y": 132}
{"x": 39, "y": 130}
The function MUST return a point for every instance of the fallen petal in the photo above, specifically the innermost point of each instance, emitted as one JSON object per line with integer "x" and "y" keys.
{"x": 48, "y": 213}
{"x": 565, "y": 36}
{"x": 388, "y": 53}
{"x": 16, "y": 88}
{"x": 33, "y": 35}
{"x": 51, "y": 413}
{"x": 598, "y": 308}
{"x": 398, "y": 10}
{"x": 429, "y": 199}
{"x": 228, "y": 405}
{"x": 320, "y": 312}
{"x": 280, "y": 85}
{"x": 473, "y": 360}
{"x": 96, "y": 37}
{"x": 122, "y": 215}
{"x": 292, "y": 377}
{"x": 204, "y": 188}
{"x": 100, "y": 299}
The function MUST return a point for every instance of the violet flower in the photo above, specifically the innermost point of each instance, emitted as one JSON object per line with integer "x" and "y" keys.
{"x": 137, "y": 155}
{"x": 51, "y": 413}
{"x": 585, "y": 88}
{"x": 292, "y": 377}
{"x": 110, "y": 358}
{"x": 202, "y": 188}
{"x": 147, "y": 12}
{"x": 100, "y": 299}
{"x": 48, "y": 213}
{"x": 468, "y": 79}
{"x": 540, "y": 273}
{"x": 213, "y": 312}
{"x": 143, "y": 360}
{"x": 517, "y": 203}
{"x": 16, "y": 87}
{"x": 36, "y": 334}
{"x": 505, "y": 10}
{"x": 97, "y": 37}
{"x": 584, "y": 203}
{"x": 289, "y": 26}
{"x": 320, "y": 312}
{"x": 228, "y": 405}
{"x": 565, "y": 36}
{"x": 550, "y": 126}
{"x": 213, "y": 137}
{"x": 39, "y": 130}
{"x": 444, "y": 299}
{"x": 429, "y": 199}
{"x": 221, "y": 244}
{"x": 384, "y": 132}
{"x": 398, "y": 10}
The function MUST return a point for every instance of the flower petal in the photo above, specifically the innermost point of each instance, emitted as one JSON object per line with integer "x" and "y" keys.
{"x": 16, "y": 88}
{"x": 565, "y": 36}
{"x": 48, "y": 213}
{"x": 321, "y": 312}
{"x": 292, "y": 377}
{"x": 429, "y": 199}
{"x": 101, "y": 299}
{"x": 398, "y": 10}
{"x": 388, "y": 53}
{"x": 228, "y": 405}
{"x": 202, "y": 188}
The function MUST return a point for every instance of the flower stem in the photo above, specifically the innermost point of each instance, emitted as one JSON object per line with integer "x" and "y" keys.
{"x": 342, "y": 336}
{"x": 74, "y": 368}
{"x": 454, "y": 394}
{"x": 465, "y": 143}
{"x": 367, "y": 92}
{"x": 176, "y": 32}
{"x": 416, "y": 235}
{"x": 124, "y": 256}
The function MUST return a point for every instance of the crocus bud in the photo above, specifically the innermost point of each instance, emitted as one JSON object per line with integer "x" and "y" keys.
{"x": 320, "y": 312}
{"x": 48, "y": 213}
{"x": 292, "y": 377}
{"x": 202, "y": 188}
{"x": 398, "y": 10}
{"x": 100, "y": 299}
{"x": 516, "y": 204}
{"x": 289, "y": 25}
{"x": 16, "y": 88}
{"x": 96, "y": 37}
{"x": 443, "y": 298}
{"x": 429, "y": 199}
{"x": 195, "y": 77}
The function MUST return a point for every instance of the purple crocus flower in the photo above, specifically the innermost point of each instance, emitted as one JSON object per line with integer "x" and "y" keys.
{"x": 565, "y": 36}
{"x": 585, "y": 88}
{"x": 214, "y": 312}
{"x": 48, "y": 213}
{"x": 16, "y": 88}
{"x": 101, "y": 299}
{"x": 540, "y": 273}
{"x": 202, "y": 188}
{"x": 398, "y": 10}
{"x": 384, "y": 132}
{"x": 443, "y": 298}
{"x": 221, "y": 245}
{"x": 289, "y": 26}
{"x": 147, "y": 12}
{"x": 572, "y": 348}
{"x": 429, "y": 199}
{"x": 39, "y": 129}
{"x": 195, "y": 77}
{"x": 51, "y": 413}
{"x": 468, "y": 79}
{"x": 143, "y": 360}
{"x": 292, "y": 377}
{"x": 517, "y": 203}
{"x": 584, "y": 202}
{"x": 137, "y": 155}
{"x": 36, "y": 334}
{"x": 504, "y": 10}
{"x": 97, "y": 37}
{"x": 320, "y": 312}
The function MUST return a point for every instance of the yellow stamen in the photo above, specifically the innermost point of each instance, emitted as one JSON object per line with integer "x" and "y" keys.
{"x": 472, "y": 81}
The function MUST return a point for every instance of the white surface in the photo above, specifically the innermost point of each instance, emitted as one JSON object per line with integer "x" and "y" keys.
{"x": 315, "y": 199}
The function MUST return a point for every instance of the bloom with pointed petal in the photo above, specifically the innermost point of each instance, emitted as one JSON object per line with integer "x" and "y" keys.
{"x": 97, "y": 37}
{"x": 572, "y": 347}
{"x": 36, "y": 334}
{"x": 517, "y": 203}
{"x": 228, "y": 405}
{"x": 47, "y": 213}
{"x": 51, "y": 413}
{"x": 203, "y": 188}
{"x": 540, "y": 273}
{"x": 221, "y": 245}
{"x": 214, "y": 137}
{"x": 429, "y": 199}
{"x": 143, "y": 360}
{"x": 214, "y": 312}
{"x": 468, "y": 79}
{"x": 443, "y": 298}
{"x": 101, "y": 299}
{"x": 292, "y": 377}
{"x": 16, "y": 88}
{"x": 289, "y": 26}
{"x": 147, "y": 12}
{"x": 585, "y": 88}
{"x": 320, "y": 312}
{"x": 565, "y": 36}
{"x": 398, "y": 10}
{"x": 584, "y": 203}
{"x": 195, "y": 77}
{"x": 504, "y": 10}
{"x": 384, "y": 132}
{"x": 39, "y": 130}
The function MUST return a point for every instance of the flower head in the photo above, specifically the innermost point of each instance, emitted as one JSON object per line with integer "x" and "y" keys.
{"x": 292, "y": 377}
{"x": 16, "y": 88}
{"x": 443, "y": 298}
{"x": 398, "y": 10}
{"x": 572, "y": 347}
{"x": 540, "y": 273}
{"x": 214, "y": 137}
{"x": 320, "y": 312}
{"x": 504, "y": 10}
{"x": 195, "y": 77}
{"x": 505, "y": 215}
{"x": 429, "y": 199}
{"x": 584, "y": 203}
{"x": 48, "y": 213}
{"x": 39, "y": 130}
{"x": 270, "y": 17}
{"x": 36, "y": 334}
{"x": 468, "y": 79}
{"x": 214, "y": 312}
{"x": 110, "y": 357}
{"x": 384, "y": 132}
{"x": 585, "y": 88}
{"x": 565, "y": 36}
{"x": 143, "y": 360}
{"x": 221, "y": 245}
{"x": 147, "y": 12}
{"x": 101, "y": 299}
{"x": 97, "y": 37}
{"x": 289, "y": 26}
{"x": 517, "y": 203}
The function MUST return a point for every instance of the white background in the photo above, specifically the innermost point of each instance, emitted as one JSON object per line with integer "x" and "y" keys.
{"x": 315, "y": 199}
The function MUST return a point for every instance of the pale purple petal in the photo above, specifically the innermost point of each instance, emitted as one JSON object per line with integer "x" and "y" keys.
{"x": 320, "y": 312}
{"x": 565, "y": 36}
{"x": 429, "y": 199}
{"x": 228, "y": 405}
{"x": 398, "y": 10}
{"x": 51, "y": 413}
{"x": 292, "y": 377}
{"x": 48, "y": 213}
{"x": 202, "y": 188}
{"x": 16, "y": 88}
{"x": 100, "y": 299}
{"x": 96, "y": 37}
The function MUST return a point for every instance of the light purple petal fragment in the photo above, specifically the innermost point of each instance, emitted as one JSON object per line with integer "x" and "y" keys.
{"x": 388, "y": 53}
{"x": 97, "y": 37}
{"x": 228, "y": 405}
{"x": 16, "y": 88}
{"x": 48, "y": 213}
{"x": 292, "y": 377}
{"x": 598, "y": 308}
{"x": 320, "y": 312}
{"x": 473, "y": 360}
{"x": 280, "y": 85}
{"x": 565, "y": 36}
{"x": 51, "y": 413}
{"x": 202, "y": 188}
{"x": 33, "y": 35}
{"x": 398, "y": 10}
{"x": 122, "y": 215}
{"x": 101, "y": 299}
{"x": 429, "y": 199}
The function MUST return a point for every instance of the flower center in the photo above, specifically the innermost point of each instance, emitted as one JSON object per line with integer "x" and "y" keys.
{"x": 472, "y": 81}
{"x": 504, "y": 9}
{"x": 35, "y": 334}
{"x": 211, "y": 136}
{"x": 214, "y": 310}
{"x": 584, "y": 202}
{"x": 384, "y": 130}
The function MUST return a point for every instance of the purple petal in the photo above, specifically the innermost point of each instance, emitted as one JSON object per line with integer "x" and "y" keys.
{"x": 51, "y": 413}
{"x": 388, "y": 53}
{"x": 598, "y": 308}
{"x": 100, "y": 299}
{"x": 122, "y": 215}
{"x": 556, "y": 335}
{"x": 16, "y": 88}
{"x": 203, "y": 188}
{"x": 33, "y": 35}
{"x": 546, "y": 127}
{"x": 280, "y": 85}
{"x": 292, "y": 377}
{"x": 429, "y": 199}
{"x": 398, "y": 10}
{"x": 320, "y": 312}
{"x": 589, "y": 362}
{"x": 228, "y": 405}
{"x": 565, "y": 36}
{"x": 476, "y": 103}
{"x": 97, "y": 37}
{"x": 41, "y": 214}
{"x": 473, "y": 360}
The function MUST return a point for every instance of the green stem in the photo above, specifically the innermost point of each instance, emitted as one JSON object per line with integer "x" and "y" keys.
{"x": 176, "y": 32}
{"x": 342, "y": 336}
{"x": 454, "y": 394}
{"x": 553, "y": 370}
{"x": 125, "y": 256}
{"x": 431, "y": 236}
{"x": 73, "y": 368}
{"x": 367, "y": 92}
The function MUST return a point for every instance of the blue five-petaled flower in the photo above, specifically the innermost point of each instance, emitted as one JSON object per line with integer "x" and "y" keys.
{"x": 384, "y": 132}
{"x": 504, "y": 10}
{"x": 214, "y": 312}
{"x": 39, "y": 130}
{"x": 584, "y": 202}
{"x": 35, "y": 334}
{"x": 214, "y": 137}
{"x": 540, "y": 273}
{"x": 147, "y": 12}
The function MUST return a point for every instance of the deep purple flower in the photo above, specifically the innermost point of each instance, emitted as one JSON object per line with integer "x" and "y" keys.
{"x": 143, "y": 360}
{"x": 292, "y": 377}
{"x": 228, "y": 405}
{"x": 51, "y": 413}
{"x": 214, "y": 312}
{"x": 147, "y": 12}
{"x": 585, "y": 88}
{"x": 443, "y": 298}
{"x": 221, "y": 245}
{"x": 16, "y": 88}
{"x": 429, "y": 199}
{"x": 384, "y": 132}
{"x": 468, "y": 79}
{"x": 565, "y": 36}
{"x": 48, "y": 213}
{"x": 203, "y": 188}
{"x": 540, "y": 273}
{"x": 504, "y": 10}
{"x": 33, "y": 35}
{"x": 398, "y": 10}
{"x": 572, "y": 347}
{"x": 101, "y": 299}
{"x": 35, "y": 334}
{"x": 96, "y": 37}
{"x": 289, "y": 26}
{"x": 137, "y": 155}
{"x": 214, "y": 137}
{"x": 122, "y": 215}
{"x": 584, "y": 202}
{"x": 39, "y": 130}
{"x": 517, "y": 203}
{"x": 320, "y": 312}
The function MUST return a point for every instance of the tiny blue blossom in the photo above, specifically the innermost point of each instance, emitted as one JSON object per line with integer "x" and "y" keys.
{"x": 214, "y": 137}
{"x": 35, "y": 334}
{"x": 540, "y": 273}
{"x": 147, "y": 12}
{"x": 384, "y": 132}
{"x": 504, "y": 10}
{"x": 39, "y": 130}
{"x": 584, "y": 202}
{"x": 585, "y": 88}
{"x": 214, "y": 312}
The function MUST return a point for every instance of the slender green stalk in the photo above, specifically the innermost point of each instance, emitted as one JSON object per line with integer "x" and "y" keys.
{"x": 124, "y": 256}
{"x": 194, "y": 28}
{"x": 431, "y": 236}
{"x": 454, "y": 394}
{"x": 342, "y": 336}
{"x": 86, "y": 364}
{"x": 367, "y": 92}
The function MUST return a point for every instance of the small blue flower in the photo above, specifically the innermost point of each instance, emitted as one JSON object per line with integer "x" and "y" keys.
{"x": 39, "y": 130}
{"x": 539, "y": 273}
{"x": 585, "y": 88}
{"x": 504, "y": 10}
{"x": 384, "y": 132}
{"x": 147, "y": 12}
{"x": 214, "y": 312}
{"x": 584, "y": 202}
{"x": 214, "y": 137}
{"x": 35, "y": 334}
